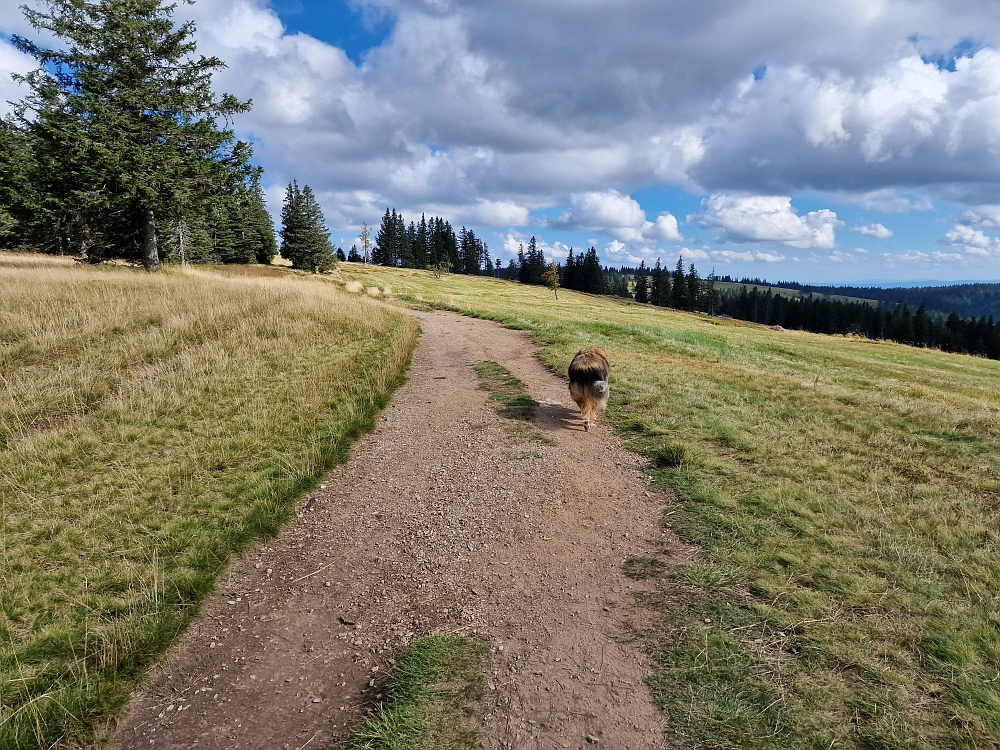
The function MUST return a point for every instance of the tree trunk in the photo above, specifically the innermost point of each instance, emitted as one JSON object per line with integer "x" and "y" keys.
{"x": 150, "y": 255}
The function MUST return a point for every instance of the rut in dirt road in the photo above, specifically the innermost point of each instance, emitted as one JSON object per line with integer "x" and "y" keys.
{"x": 447, "y": 518}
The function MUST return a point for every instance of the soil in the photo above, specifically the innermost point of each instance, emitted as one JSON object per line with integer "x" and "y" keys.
{"x": 447, "y": 519}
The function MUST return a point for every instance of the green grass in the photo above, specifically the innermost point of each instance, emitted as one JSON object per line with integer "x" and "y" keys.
{"x": 507, "y": 391}
{"x": 846, "y": 494}
{"x": 433, "y": 694}
{"x": 151, "y": 426}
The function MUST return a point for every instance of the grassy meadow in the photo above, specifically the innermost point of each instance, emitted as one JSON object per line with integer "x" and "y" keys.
{"x": 150, "y": 427}
{"x": 846, "y": 494}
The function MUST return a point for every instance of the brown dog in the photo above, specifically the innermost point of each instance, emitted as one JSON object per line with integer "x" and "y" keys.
{"x": 588, "y": 383}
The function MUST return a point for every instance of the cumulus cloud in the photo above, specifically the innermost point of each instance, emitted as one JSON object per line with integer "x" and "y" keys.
{"x": 905, "y": 120}
{"x": 981, "y": 216}
{"x": 890, "y": 201}
{"x": 935, "y": 257}
{"x": 973, "y": 241}
{"x": 618, "y": 215}
{"x": 491, "y": 111}
{"x": 692, "y": 254}
{"x": 878, "y": 231}
{"x": 747, "y": 256}
{"x": 768, "y": 218}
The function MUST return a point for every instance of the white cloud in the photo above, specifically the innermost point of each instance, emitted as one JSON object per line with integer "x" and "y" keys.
{"x": 692, "y": 254}
{"x": 767, "y": 218}
{"x": 488, "y": 111}
{"x": 878, "y": 231}
{"x": 935, "y": 257}
{"x": 732, "y": 256}
{"x": 618, "y": 215}
{"x": 974, "y": 241}
{"x": 890, "y": 201}
{"x": 615, "y": 248}
{"x": 981, "y": 216}
{"x": 12, "y": 61}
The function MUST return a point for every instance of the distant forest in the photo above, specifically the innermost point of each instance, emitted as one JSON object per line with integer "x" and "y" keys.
{"x": 434, "y": 244}
{"x": 965, "y": 300}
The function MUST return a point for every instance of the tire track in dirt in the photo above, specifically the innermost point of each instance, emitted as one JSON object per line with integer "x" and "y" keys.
{"x": 445, "y": 519}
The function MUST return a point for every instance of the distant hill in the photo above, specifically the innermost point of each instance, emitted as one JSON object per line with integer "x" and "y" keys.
{"x": 971, "y": 300}
{"x": 792, "y": 291}
{"x": 967, "y": 300}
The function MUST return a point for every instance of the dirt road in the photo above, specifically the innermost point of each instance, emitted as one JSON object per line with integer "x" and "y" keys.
{"x": 442, "y": 521}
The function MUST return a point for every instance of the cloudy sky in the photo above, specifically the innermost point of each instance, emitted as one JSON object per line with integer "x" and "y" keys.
{"x": 850, "y": 140}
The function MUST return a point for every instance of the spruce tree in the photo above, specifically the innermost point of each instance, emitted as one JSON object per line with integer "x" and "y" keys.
{"x": 123, "y": 126}
{"x": 258, "y": 226}
{"x": 712, "y": 298}
{"x": 406, "y": 244}
{"x": 593, "y": 275}
{"x": 693, "y": 284}
{"x": 569, "y": 273}
{"x": 385, "y": 240}
{"x": 679, "y": 291}
{"x": 641, "y": 284}
{"x": 305, "y": 240}
{"x": 421, "y": 246}
{"x": 354, "y": 256}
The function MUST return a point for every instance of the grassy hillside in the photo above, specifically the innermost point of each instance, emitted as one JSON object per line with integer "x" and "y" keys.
{"x": 846, "y": 496}
{"x": 966, "y": 300}
{"x": 151, "y": 426}
{"x": 730, "y": 287}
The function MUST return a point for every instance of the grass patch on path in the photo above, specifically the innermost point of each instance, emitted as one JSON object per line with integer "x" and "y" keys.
{"x": 509, "y": 392}
{"x": 151, "y": 426}
{"x": 846, "y": 494}
{"x": 432, "y": 693}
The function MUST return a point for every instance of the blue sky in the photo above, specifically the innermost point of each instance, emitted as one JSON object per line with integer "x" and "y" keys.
{"x": 847, "y": 141}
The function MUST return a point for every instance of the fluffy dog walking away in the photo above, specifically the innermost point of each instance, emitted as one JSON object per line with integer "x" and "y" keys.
{"x": 588, "y": 383}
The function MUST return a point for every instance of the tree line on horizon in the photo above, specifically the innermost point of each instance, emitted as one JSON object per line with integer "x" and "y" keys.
{"x": 682, "y": 290}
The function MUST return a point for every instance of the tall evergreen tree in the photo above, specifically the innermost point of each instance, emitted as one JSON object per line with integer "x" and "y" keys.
{"x": 693, "y": 284}
{"x": 406, "y": 245}
{"x": 305, "y": 240}
{"x": 123, "y": 126}
{"x": 569, "y": 280}
{"x": 421, "y": 245}
{"x": 711, "y": 298}
{"x": 679, "y": 289}
{"x": 592, "y": 278}
{"x": 641, "y": 283}
{"x": 17, "y": 195}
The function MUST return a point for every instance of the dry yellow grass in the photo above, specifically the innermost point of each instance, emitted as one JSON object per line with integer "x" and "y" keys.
{"x": 151, "y": 426}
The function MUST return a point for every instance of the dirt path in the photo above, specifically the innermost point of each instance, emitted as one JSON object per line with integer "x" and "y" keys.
{"x": 442, "y": 521}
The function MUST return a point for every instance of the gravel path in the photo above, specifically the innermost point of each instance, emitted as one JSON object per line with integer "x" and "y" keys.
{"x": 447, "y": 518}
